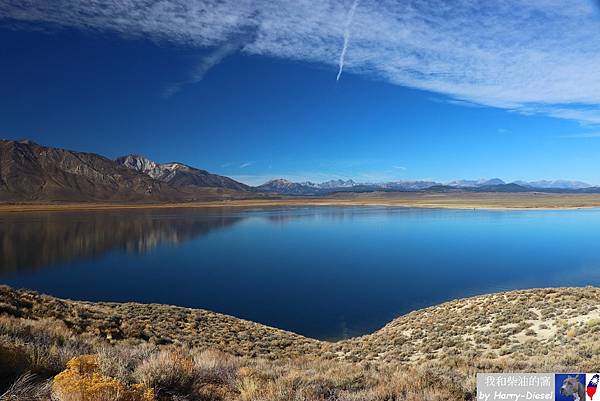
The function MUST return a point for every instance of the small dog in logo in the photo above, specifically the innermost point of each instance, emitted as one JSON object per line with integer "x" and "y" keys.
{"x": 571, "y": 386}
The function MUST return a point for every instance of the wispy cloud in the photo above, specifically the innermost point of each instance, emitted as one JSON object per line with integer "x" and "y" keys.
{"x": 246, "y": 164}
{"x": 203, "y": 66}
{"x": 529, "y": 56}
{"x": 580, "y": 135}
{"x": 397, "y": 167}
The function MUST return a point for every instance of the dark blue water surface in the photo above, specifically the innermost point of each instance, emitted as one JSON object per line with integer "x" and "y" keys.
{"x": 326, "y": 272}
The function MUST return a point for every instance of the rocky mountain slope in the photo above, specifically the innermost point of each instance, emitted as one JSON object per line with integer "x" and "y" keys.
{"x": 179, "y": 175}
{"x": 281, "y": 186}
{"x": 33, "y": 173}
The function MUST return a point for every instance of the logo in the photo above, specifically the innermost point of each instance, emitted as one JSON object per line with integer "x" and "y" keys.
{"x": 592, "y": 386}
{"x": 538, "y": 386}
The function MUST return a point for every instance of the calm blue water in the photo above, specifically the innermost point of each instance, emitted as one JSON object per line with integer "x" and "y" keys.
{"x": 327, "y": 272}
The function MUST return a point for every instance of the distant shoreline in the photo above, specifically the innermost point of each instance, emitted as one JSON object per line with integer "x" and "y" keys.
{"x": 424, "y": 200}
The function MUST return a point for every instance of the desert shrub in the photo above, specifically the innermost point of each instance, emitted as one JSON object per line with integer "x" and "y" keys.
{"x": 214, "y": 367}
{"x": 81, "y": 381}
{"x": 593, "y": 322}
{"x": 47, "y": 345}
{"x": 120, "y": 361}
{"x": 169, "y": 371}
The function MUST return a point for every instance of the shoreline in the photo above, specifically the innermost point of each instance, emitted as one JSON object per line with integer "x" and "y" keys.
{"x": 459, "y": 201}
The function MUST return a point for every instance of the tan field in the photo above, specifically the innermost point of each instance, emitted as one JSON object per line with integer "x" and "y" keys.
{"x": 455, "y": 200}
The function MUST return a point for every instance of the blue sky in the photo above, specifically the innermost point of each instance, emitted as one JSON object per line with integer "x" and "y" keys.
{"x": 249, "y": 89}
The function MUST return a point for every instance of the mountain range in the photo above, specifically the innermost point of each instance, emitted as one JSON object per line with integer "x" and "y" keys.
{"x": 282, "y": 186}
{"x": 32, "y": 172}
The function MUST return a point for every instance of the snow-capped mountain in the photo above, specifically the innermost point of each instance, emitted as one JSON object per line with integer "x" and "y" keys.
{"x": 482, "y": 185}
{"x": 554, "y": 184}
{"x": 484, "y": 182}
{"x": 179, "y": 174}
{"x": 406, "y": 185}
{"x": 281, "y": 186}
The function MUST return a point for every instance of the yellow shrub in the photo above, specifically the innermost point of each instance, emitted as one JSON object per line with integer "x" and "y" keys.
{"x": 81, "y": 381}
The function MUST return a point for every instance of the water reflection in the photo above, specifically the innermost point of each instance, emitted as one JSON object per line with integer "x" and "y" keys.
{"x": 30, "y": 241}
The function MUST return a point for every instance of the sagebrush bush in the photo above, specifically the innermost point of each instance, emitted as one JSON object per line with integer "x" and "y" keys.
{"x": 120, "y": 361}
{"x": 46, "y": 344}
{"x": 170, "y": 371}
{"x": 214, "y": 367}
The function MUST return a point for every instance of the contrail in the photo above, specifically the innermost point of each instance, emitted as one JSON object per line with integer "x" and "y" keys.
{"x": 346, "y": 37}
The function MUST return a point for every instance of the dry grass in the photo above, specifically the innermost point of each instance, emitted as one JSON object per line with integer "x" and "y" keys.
{"x": 466, "y": 200}
{"x": 28, "y": 387}
{"x": 183, "y": 354}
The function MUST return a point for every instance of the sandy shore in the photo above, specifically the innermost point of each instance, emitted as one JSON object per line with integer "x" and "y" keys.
{"x": 413, "y": 199}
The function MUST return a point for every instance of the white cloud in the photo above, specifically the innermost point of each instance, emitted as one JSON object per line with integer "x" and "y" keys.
{"x": 246, "y": 164}
{"x": 399, "y": 167}
{"x": 530, "y": 56}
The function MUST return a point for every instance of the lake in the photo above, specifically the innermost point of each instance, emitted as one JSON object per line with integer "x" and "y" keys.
{"x": 325, "y": 272}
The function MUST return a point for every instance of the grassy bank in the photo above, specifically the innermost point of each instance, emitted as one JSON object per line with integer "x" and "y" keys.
{"x": 155, "y": 352}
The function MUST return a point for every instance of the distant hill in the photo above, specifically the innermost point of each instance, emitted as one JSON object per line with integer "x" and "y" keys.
{"x": 501, "y": 188}
{"x": 32, "y": 172}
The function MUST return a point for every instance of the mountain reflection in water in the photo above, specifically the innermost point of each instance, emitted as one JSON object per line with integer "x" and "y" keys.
{"x": 30, "y": 241}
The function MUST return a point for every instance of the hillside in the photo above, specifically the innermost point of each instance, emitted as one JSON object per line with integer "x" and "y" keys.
{"x": 442, "y": 347}
{"x": 519, "y": 323}
{"x": 33, "y": 173}
{"x": 179, "y": 175}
